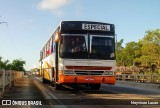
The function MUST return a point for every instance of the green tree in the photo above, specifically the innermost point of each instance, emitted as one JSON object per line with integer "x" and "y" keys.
{"x": 119, "y": 46}
{"x": 144, "y": 52}
{"x": 131, "y": 52}
{"x": 119, "y": 53}
{"x": 1, "y": 63}
{"x": 150, "y": 47}
{"x": 4, "y": 64}
{"x": 18, "y": 65}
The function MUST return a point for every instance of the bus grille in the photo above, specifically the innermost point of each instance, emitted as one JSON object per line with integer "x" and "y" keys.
{"x": 89, "y": 72}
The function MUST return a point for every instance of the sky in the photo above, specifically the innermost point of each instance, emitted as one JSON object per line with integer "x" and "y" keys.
{"x": 32, "y": 22}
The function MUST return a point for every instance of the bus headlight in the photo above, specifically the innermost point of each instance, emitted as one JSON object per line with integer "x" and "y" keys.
{"x": 108, "y": 73}
{"x": 69, "y": 72}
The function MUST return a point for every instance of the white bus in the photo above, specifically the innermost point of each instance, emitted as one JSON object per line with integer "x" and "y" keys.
{"x": 80, "y": 52}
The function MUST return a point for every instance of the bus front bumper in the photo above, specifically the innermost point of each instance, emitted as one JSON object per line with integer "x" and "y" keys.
{"x": 66, "y": 79}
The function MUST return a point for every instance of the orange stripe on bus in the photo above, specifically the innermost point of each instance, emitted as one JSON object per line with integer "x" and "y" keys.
{"x": 89, "y": 67}
{"x": 83, "y": 79}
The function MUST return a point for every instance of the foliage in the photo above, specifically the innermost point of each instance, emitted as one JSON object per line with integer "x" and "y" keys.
{"x": 16, "y": 64}
{"x": 119, "y": 52}
{"x": 145, "y": 52}
{"x": 4, "y": 64}
{"x": 151, "y": 47}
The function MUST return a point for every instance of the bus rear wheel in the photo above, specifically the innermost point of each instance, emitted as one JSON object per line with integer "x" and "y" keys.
{"x": 52, "y": 83}
{"x": 95, "y": 86}
{"x": 58, "y": 86}
{"x": 44, "y": 81}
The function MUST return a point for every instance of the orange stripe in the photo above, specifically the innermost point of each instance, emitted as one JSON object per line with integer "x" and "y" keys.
{"x": 88, "y": 67}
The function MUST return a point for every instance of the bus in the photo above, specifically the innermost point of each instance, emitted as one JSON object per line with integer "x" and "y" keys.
{"x": 80, "y": 52}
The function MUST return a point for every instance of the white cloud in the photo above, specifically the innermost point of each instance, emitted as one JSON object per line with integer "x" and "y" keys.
{"x": 54, "y": 6}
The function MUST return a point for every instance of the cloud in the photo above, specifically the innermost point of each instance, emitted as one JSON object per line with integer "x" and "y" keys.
{"x": 55, "y": 6}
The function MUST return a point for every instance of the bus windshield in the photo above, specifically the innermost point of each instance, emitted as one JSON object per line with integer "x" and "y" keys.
{"x": 73, "y": 46}
{"x": 77, "y": 47}
{"x": 102, "y": 47}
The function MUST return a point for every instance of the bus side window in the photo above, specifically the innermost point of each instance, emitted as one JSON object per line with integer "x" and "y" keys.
{"x": 52, "y": 44}
{"x": 41, "y": 55}
{"x": 53, "y": 47}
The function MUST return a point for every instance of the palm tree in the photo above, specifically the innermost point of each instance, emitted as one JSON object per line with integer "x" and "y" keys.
{"x": 4, "y": 64}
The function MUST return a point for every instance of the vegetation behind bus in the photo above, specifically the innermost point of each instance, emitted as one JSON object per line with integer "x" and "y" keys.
{"x": 16, "y": 64}
{"x": 144, "y": 54}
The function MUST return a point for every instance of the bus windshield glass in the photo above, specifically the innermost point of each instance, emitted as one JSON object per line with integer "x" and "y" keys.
{"x": 102, "y": 47}
{"x": 78, "y": 47}
{"x": 73, "y": 46}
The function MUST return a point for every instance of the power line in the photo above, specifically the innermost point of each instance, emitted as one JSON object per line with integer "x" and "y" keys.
{"x": 4, "y": 22}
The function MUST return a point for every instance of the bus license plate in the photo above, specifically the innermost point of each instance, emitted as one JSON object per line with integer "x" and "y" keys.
{"x": 89, "y": 79}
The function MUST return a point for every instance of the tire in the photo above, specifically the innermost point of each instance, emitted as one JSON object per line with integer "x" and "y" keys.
{"x": 52, "y": 84}
{"x": 95, "y": 86}
{"x": 58, "y": 86}
{"x": 44, "y": 81}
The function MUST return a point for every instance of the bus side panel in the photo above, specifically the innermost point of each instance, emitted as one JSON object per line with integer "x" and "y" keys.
{"x": 48, "y": 64}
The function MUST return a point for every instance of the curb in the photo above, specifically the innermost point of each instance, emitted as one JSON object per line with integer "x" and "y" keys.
{"x": 139, "y": 85}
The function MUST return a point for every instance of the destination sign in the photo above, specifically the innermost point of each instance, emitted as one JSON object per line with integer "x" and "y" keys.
{"x": 99, "y": 27}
